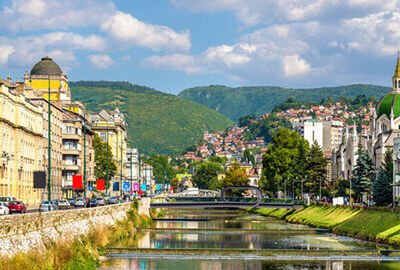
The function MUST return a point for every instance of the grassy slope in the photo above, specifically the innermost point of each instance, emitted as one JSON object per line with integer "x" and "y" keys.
{"x": 360, "y": 223}
{"x": 157, "y": 122}
{"x": 241, "y": 101}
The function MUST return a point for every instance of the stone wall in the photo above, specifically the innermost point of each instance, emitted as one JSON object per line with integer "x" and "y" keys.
{"x": 25, "y": 232}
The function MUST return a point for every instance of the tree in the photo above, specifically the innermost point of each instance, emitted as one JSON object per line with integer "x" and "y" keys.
{"x": 382, "y": 189}
{"x": 363, "y": 174}
{"x": 206, "y": 175}
{"x": 316, "y": 168}
{"x": 236, "y": 176}
{"x": 249, "y": 157}
{"x": 280, "y": 159}
{"x": 100, "y": 159}
{"x": 221, "y": 160}
{"x": 162, "y": 170}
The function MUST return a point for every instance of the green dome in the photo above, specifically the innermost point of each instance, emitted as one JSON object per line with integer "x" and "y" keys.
{"x": 387, "y": 102}
{"x": 46, "y": 66}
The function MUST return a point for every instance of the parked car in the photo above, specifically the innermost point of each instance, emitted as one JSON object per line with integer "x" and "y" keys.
{"x": 63, "y": 204}
{"x": 17, "y": 206}
{"x": 91, "y": 203}
{"x": 4, "y": 209}
{"x": 101, "y": 201}
{"x": 80, "y": 202}
{"x": 47, "y": 206}
{"x": 129, "y": 197}
{"x": 7, "y": 199}
{"x": 113, "y": 200}
{"x": 71, "y": 202}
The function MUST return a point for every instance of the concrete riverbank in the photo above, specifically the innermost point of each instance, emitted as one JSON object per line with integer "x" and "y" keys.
{"x": 372, "y": 225}
{"x": 54, "y": 240}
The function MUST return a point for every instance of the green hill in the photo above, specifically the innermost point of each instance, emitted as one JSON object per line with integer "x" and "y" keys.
{"x": 157, "y": 122}
{"x": 241, "y": 101}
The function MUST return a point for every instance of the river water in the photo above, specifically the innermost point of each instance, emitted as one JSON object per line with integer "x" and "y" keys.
{"x": 232, "y": 229}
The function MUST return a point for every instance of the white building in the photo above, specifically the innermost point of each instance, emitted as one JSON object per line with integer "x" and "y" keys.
{"x": 311, "y": 131}
{"x": 396, "y": 165}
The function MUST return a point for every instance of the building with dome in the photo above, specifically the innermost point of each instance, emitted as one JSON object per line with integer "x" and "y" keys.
{"x": 385, "y": 127}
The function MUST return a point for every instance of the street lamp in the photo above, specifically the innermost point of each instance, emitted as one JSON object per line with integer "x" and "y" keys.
{"x": 49, "y": 147}
{"x": 84, "y": 155}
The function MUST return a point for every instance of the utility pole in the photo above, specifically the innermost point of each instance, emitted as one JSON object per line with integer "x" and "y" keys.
{"x": 108, "y": 181}
{"x": 49, "y": 148}
{"x": 320, "y": 180}
{"x": 350, "y": 203}
{"x": 120, "y": 179}
{"x": 131, "y": 172}
{"x": 84, "y": 155}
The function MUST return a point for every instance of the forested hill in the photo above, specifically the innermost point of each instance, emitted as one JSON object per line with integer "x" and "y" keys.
{"x": 241, "y": 101}
{"x": 157, "y": 122}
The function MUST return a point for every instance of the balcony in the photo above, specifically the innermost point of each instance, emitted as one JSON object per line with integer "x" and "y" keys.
{"x": 71, "y": 151}
{"x": 71, "y": 136}
{"x": 70, "y": 165}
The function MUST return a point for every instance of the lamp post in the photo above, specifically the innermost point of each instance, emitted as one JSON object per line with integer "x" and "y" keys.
{"x": 121, "y": 164}
{"x": 49, "y": 140}
{"x": 84, "y": 156}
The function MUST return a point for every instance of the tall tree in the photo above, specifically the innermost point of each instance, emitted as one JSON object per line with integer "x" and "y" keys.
{"x": 382, "y": 189}
{"x": 316, "y": 168}
{"x": 279, "y": 161}
{"x": 363, "y": 174}
{"x": 206, "y": 175}
{"x": 100, "y": 159}
{"x": 162, "y": 170}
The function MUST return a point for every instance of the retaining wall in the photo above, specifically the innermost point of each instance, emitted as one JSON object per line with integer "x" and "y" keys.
{"x": 35, "y": 230}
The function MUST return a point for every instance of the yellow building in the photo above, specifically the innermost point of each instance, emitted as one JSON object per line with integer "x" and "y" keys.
{"x": 67, "y": 115}
{"x": 21, "y": 142}
{"x": 111, "y": 127}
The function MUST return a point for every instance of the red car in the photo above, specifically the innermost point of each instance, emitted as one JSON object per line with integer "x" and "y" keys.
{"x": 17, "y": 206}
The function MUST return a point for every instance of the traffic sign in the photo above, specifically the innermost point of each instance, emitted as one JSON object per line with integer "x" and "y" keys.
{"x": 90, "y": 188}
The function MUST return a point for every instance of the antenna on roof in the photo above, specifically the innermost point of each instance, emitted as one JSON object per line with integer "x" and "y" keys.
{"x": 47, "y": 50}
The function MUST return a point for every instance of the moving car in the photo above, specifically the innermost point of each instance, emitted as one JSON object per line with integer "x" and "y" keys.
{"x": 17, "y": 206}
{"x": 4, "y": 209}
{"x": 63, "y": 204}
{"x": 100, "y": 201}
{"x": 44, "y": 206}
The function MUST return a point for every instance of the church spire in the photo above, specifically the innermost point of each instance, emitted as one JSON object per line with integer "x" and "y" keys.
{"x": 397, "y": 72}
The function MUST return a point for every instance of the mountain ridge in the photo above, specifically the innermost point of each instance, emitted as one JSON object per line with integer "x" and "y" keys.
{"x": 235, "y": 102}
{"x": 158, "y": 122}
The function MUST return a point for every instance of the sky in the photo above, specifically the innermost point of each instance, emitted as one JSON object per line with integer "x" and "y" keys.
{"x": 171, "y": 45}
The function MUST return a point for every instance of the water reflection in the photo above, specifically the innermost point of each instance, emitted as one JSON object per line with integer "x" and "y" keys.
{"x": 150, "y": 264}
{"x": 278, "y": 235}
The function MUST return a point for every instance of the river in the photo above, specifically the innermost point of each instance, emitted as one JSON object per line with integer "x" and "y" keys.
{"x": 232, "y": 229}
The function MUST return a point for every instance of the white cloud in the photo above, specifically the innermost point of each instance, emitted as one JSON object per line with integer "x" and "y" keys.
{"x": 101, "y": 61}
{"x": 293, "y": 65}
{"x": 129, "y": 30}
{"x": 280, "y": 11}
{"x": 25, "y": 15}
{"x": 5, "y": 52}
{"x": 24, "y": 51}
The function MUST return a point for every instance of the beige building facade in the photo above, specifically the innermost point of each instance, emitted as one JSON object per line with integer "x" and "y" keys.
{"x": 111, "y": 127}
{"x": 21, "y": 141}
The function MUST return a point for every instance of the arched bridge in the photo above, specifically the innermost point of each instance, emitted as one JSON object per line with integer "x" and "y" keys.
{"x": 219, "y": 199}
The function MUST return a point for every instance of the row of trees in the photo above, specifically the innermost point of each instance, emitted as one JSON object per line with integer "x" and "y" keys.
{"x": 372, "y": 183}
{"x": 291, "y": 164}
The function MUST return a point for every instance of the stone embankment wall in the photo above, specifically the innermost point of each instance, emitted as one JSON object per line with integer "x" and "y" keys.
{"x": 21, "y": 233}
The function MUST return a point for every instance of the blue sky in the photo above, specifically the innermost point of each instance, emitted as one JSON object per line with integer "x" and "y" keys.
{"x": 171, "y": 45}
